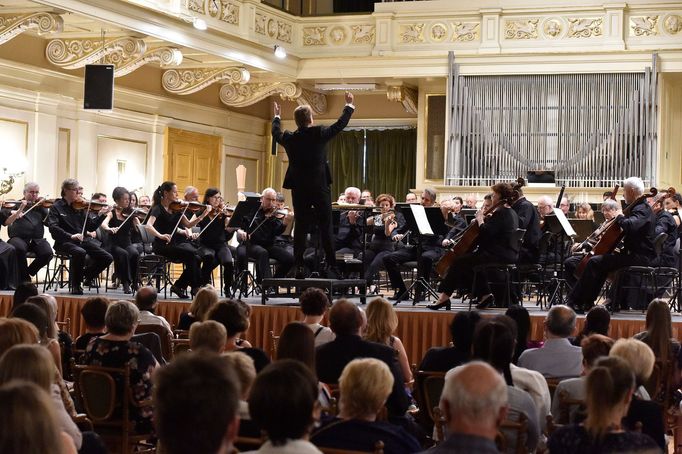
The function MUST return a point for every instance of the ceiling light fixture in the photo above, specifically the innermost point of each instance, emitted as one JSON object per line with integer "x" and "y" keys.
{"x": 280, "y": 52}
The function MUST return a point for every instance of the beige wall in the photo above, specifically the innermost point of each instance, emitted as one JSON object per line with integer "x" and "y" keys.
{"x": 670, "y": 131}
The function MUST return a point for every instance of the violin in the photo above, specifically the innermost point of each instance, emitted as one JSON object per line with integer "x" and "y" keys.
{"x": 92, "y": 205}
{"x": 178, "y": 206}
{"x": 223, "y": 211}
{"x": 11, "y": 204}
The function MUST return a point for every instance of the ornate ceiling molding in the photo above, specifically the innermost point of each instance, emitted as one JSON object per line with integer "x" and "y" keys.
{"x": 405, "y": 95}
{"x": 76, "y": 53}
{"x": 187, "y": 81}
{"x": 12, "y": 25}
{"x": 165, "y": 56}
{"x": 235, "y": 95}
{"x": 315, "y": 99}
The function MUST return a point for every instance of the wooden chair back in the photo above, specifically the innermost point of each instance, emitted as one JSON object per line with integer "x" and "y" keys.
{"x": 65, "y": 325}
{"x": 552, "y": 383}
{"x": 378, "y": 449}
{"x": 519, "y": 428}
{"x": 180, "y": 346}
{"x": 243, "y": 444}
{"x": 439, "y": 423}
{"x": 566, "y": 405}
{"x": 181, "y": 333}
{"x": 429, "y": 386}
{"x": 273, "y": 345}
{"x": 165, "y": 337}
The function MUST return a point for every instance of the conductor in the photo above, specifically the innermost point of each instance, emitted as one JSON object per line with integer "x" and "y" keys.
{"x": 309, "y": 177}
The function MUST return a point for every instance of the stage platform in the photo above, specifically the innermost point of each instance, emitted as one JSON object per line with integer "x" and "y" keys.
{"x": 419, "y": 328}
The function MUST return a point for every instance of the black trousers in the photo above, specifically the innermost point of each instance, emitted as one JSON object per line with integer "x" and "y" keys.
{"x": 262, "y": 257}
{"x": 425, "y": 262}
{"x": 374, "y": 261}
{"x": 186, "y": 254}
{"x": 312, "y": 207}
{"x": 125, "y": 262}
{"x": 40, "y": 247}
{"x": 460, "y": 275}
{"x": 211, "y": 257}
{"x": 79, "y": 268}
{"x": 8, "y": 266}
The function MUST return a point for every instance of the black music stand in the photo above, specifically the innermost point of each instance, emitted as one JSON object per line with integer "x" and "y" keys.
{"x": 559, "y": 226}
{"x": 244, "y": 212}
{"x": 435, "y": 220}
{"x": 583, "y": 228}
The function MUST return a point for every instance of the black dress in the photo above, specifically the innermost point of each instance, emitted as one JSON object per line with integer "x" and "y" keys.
{"x": 215, "y": 251}
{"x": 121, "y": 247}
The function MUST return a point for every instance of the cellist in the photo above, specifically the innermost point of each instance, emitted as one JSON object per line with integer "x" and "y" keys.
{"x": 638, "y": 247}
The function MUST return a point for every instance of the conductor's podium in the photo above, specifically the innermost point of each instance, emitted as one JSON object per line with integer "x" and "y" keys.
{"x": 272, "y": 288}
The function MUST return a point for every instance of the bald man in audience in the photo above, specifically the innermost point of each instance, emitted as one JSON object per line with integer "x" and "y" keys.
{"x": 146, "y": 300}
{"x": 474, "y": 401}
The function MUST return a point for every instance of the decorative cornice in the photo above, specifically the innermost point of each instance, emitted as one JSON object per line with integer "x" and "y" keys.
{"x": 412, "y": 33}
{"x": 235, "y": 95}
{"x": 673, "y": 24}
{"x": 521, "y": 29}
{"x": 465, "y": 31}
{"x": 187, "y": 81}
{"x": 76, "y": 53}
{"x": 585, "y": 27}
{"x": 166, "y": 56}
{"x": 405, "y": 95}
{"x": 315, "y": 99}
{"x": 12, "y": 25}
{"x": 644, "y": 25}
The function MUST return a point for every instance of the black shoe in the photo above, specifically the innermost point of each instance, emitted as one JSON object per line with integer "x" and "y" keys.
{"x": 88, "y": 282}
{"x": 78, "y": 290}
{"x": 181, "y": 293}
{"x": 399, "y": 294}
{"x": 446, "y": 304}
{"x": 418, "y": 296}
{"x": 126, "y": 288}
{"x": 334, "y": 273}
{"x": 486, "y": 302}
{"x": 300, "y": 272}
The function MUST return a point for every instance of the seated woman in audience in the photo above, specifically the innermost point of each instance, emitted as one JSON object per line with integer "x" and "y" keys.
{"x": 597, "y": 321}
{"x": 209, "y": 336}
{"x": 593, "y": 347}
{"x": 15, "y": 331}
{"x": 29, "y": 425}
{"x": 494, "y": 344}
{"x": 659, "y": 331}
{"x": 365, "y": 385}
{"x": 232, "y": 316}
{"x": 297, "y": 342}
{"x": 205, "y": 298}
{"x": 520, "y": 315}
{"x": 65, "y": 340}
{"x": 382, "y": 321}
{"x": 609, "y": 389}
{"x": 314, "y": 304}
{"x": 283, "y": 403}
{"x": 640, "y": 359}
{"x": 33, "y": 364}
{"x": 37, "y": 315}
{"x": 240, "y": 341}
{"x": 246, "y": 374}
{"x": 442, "y": 359}
{"x": 115, "y": 349}
{"x": 92, "y": 312}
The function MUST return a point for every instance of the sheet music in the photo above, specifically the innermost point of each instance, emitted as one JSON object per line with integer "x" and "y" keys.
{"x": 568, "y": 228}
{"x": 420, "y": 217}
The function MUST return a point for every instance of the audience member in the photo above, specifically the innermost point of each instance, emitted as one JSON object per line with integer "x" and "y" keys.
{"x": 64, "y": 338}
{"x": 209, "y": 335}
{"x": 36, "y": 314}
{"x": 246, "y": 374}
{"x": 314, "y": 304}
{"x": 15, "y": 331}
{"x": 331, "y": 358}
{"x": 442, "y": 359}
{"x": 205, "y": 298}
{"x": 146, "y": 300}
{"x": 23, "y": 292}
{"x": 365, "y": 384}
{"x": 246, "y": 308}
{"x": 283, "y": 404}
{"x": 93, "y": 311}
{"x": 557, "y": 357}
{"x": 29, "y": 425}
{"x": 597, "y": 321}
{"x": 382, "y": 321}
{"x": 609, "y": 389}
{"x": 474, "y": 402}
{"x": 593, "y": 347}
{"x": 659, "y": 331}
{"x": 520, "y": 315}
{"x": 115, "y": 349}
{"x": 196, "y": 398}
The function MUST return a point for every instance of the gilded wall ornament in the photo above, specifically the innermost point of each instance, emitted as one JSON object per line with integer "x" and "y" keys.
{"x": 584, "y": 28}
{"x": 235, "y": 95}
{"x": 213, "y": 8}
{"x": 439, "y": 32}
{"x": 12, "y": 25}
{"x": 362, "y": 34}
{"x": 337, "y": 35}
{"x": 315, "y": 99}
{"x": 405, "y": 95}
{"x": 412, "y": 33}
{"x": 261, "y": 21}
{"x": 465, "y": 31}
{"x": 196, "y": 5}
{"x": 553, "y": 28}
{"x": 76, "y": 53}
{"x": 644, "y": 26}
{"x": 230, "y": 13}
{"x": 187, "y": 81}
{"x": 284, "y": 32}
{"x": 521, "y": 29}
{"x": 165, "y": 56}
{"x": 673, "y": 24}
{"x": 272, "y": 28}
{"x": 314, "y": 36}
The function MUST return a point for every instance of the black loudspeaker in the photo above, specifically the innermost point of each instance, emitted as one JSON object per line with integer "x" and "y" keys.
{"x": 99, "y": 87}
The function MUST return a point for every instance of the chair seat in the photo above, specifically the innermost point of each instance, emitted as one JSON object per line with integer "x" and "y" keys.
{"x": 638, "y": 269}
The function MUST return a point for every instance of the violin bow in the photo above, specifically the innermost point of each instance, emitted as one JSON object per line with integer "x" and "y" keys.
{"x": 36, "y": 204}
{"x": 178, "y": 223}
{"x": 85, "y": 221}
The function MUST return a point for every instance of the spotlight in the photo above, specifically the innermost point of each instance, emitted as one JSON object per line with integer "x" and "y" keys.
{"x": 199, "y": 24}
{"x": 280, "y": 52}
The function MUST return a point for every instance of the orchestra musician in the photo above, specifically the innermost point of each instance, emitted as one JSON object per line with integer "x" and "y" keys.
{"x": 213, "y": 240}
{"x": 309, "y": 178}
{"x": 545, "y": 207}
{"x": 471, "y": 201}
{"x": 67, "y": 224}
{"x": 565, "y": 205}
{"x": 665, "y": 223}
{"x": 432, "y": 249}
{"x": 454, "y": 219}
{"x": 258, "y": 238}
{"x": 27, "y": 231}
{"x": 529, "y": 220}
{"x": 411, "y": 197}
{"x": 385, "y": 225}
{"x": 10, "y": 211}
{"x": 366, "y": 198}
{"x": 638, "y": 248}
{"x": 166, "y": 217}
{"x": 120, "y": 223}
{"x": 351, "y": 223}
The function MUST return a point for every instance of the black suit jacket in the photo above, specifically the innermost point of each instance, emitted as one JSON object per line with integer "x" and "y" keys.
{"x": 332, "y": 357}
{"x": 529, "y": 220}
{"x": 306, "y": 148}
{"x": 639, "y": 228}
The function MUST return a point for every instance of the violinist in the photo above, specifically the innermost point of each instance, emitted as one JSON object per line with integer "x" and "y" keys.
{"x": 67, "y": 220}
{"x": 385, "y": 225}
{"x": 284, "y": 240}
{"x": 665, "y": 223}
{"x": 213, "y": 240}
{"x": 120, "y": 223}
{"x": 27, "y": 233}
{"x": 454, "y": 219}
{"x": 496, "y": 243}
{"x": 672, "y": 205}
{"x": 9, "y": 212}
{"x": 141, "y": 212}
{"x": 529, "y": 220}
{"x": 169, "y": 225}
{"x": 257, "y": 237}
{"x": 638, "y": 248}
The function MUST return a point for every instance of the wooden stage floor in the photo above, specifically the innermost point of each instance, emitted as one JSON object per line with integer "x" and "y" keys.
{"x": 419, "y": 328}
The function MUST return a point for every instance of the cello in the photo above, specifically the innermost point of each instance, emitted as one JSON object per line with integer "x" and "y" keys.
{"x": 612, "y": 235}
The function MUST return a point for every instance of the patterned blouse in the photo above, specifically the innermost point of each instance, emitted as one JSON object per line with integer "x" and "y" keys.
{"x": 109, "y": 353}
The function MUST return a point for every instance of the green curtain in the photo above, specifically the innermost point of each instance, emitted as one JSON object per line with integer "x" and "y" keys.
{"x": 391, "y": 161}
{"x": 344, "y": 153}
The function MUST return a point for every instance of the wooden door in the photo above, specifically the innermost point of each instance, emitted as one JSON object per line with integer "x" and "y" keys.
{"x": 192, "y": 159}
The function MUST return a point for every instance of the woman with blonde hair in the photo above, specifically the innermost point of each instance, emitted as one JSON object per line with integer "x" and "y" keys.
{"x": 584, "y": 211}
{"x": 15, "y": 331}
{"x": 37, "y": 311}
{"x": 382, "y": 321}
{"x": 205, "y": 298}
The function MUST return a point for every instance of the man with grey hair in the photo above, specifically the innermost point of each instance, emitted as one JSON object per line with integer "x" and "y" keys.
{"x": 545, "y": 206}
{"x": 471, "y": 201}
{"x": 191, "y": 194}
{"x": 638, "y": 227}
{"x": 349, "y": 237}
{"x": 474, "y": 401}
{"x": 557, "y": 357}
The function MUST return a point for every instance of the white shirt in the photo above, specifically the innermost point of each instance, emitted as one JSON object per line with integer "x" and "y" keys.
{"x": 324, "y": 336}
{"x": 147, "y": 318}
{"x": 291, "y": 447}
{"x": 536, "y": 386}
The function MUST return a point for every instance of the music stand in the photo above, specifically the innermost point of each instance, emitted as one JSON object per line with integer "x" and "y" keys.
{"x": 559, "y": 226}
{"x": 583, "y": 228}
{"x": 245, "y": 213}
{"x": 428, "y": 221}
